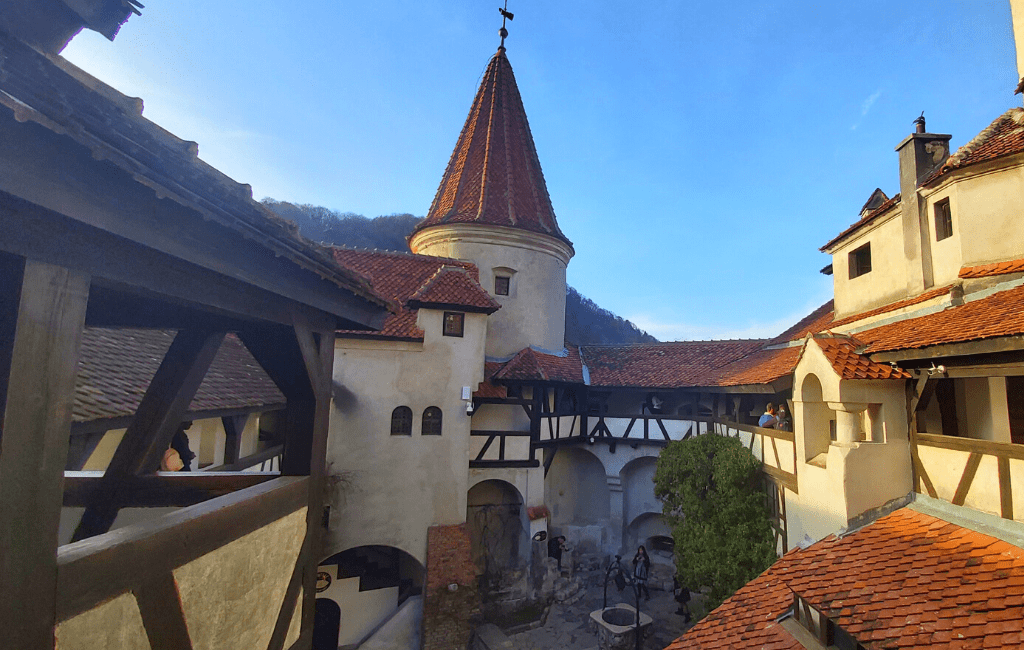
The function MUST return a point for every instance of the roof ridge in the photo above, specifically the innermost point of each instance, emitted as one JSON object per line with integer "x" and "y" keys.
{"x": 410, "y": 255}
{"x": 1016, "y": 114}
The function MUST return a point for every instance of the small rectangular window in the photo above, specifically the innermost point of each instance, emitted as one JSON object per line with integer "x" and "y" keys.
{"x": 454, "y": 323}
{"x": 943, "y": 220}
{"x": 501, "y": 285}
{"x": 860, "y": 261}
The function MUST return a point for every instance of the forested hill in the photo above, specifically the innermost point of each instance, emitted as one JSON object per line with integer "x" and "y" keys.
{"x": 585, "y": 322}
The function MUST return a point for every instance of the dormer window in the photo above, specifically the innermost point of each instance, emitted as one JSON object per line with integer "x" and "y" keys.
{"x": 501, "y": 285}
{"x": 454, "y": 323}
{"x": 860, "y": 261}
{"x": 943, "y": 220}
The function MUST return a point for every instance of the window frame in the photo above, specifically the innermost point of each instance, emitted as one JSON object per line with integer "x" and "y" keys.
{"x": 427, "y": 417}
{"x": 943, "y": 220}
{"x": 859, "y": 261}
{"x": 508, "y": 285}
{"x": 457, "y": 316}
{"x": 404, "y": 427}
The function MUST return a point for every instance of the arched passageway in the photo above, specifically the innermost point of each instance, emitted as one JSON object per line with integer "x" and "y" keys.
{"x": 496, "y": 518}
{"x": 577, "y": 489}
{"x": 326, "y": 624}
{"x": 651, "y": 531}
{"x": 368, "y": 584}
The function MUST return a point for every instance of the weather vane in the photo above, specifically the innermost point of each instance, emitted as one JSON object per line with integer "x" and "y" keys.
{"x": 505, "y": 13}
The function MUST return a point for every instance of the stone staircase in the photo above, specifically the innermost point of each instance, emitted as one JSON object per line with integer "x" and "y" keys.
{"x": 568, "y": 590}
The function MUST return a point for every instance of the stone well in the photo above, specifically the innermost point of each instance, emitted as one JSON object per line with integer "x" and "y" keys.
{"x": 616, "y": 626}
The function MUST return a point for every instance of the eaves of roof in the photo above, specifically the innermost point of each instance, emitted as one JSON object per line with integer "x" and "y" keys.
{"x": 865, "y": 221}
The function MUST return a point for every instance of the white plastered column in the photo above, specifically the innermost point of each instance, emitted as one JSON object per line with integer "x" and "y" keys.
{"x": 616, "y": 515}
{"x": 849, "y": 422}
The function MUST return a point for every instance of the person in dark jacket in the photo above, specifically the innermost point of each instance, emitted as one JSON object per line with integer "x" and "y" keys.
{"x": 682, "y": 596}
{"x": 641, "y": 571}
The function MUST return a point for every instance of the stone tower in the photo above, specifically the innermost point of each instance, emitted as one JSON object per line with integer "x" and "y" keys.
{"x": 493, "y": 208}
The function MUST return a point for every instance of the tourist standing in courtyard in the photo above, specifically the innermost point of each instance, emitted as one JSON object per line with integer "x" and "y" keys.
{"x": 641, "y": 570}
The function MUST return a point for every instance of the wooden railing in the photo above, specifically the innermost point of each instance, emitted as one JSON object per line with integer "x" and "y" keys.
{"x": 143, "y": 556}
{"x": 986, "y": 481}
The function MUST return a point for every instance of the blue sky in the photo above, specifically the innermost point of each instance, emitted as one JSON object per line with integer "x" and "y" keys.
{"x": 697, "y": 153}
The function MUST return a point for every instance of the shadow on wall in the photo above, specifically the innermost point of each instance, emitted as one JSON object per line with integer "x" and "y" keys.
{"x": 498, "y": 528}
{"x": 576, "y": 491}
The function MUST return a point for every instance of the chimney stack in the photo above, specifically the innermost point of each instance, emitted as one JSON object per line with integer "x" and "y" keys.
{"x": 921, "y": 153}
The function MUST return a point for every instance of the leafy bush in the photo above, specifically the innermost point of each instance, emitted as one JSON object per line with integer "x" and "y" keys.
{"x": 711, "y": 498}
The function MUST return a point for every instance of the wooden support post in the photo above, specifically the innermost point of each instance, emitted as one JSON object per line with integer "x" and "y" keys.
{"x": 234, "y": 426}
{"x": 43, "y": 361}
{"x": 318, "y": 355}
{"x": 535, "y": 412}
{"x": 1005, "y": 488}
{"x": 162, "y": 614}
{"x": 155, "y": 422}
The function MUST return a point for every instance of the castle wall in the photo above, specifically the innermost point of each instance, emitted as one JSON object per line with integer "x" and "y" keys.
{"x": 389, "y": 489}
{"x": 533, "y": 314}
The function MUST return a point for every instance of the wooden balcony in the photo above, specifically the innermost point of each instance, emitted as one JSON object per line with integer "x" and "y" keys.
{"x": 978, "y": 474}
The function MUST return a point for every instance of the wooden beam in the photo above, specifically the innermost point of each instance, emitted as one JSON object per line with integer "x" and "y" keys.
{"x": 512, "y": 434}
{"x": 234, "y": 426}
{"x": 1005, "y": 488}
{"x": 162, "y": 614}
{"x": 290, "y": 600}
{"x": 1006, "y": 449}
{"x": 125, "y": 268}
{"x": 970, "y": 470}
{"x": 985, "y": 346}
{"x": 157, "y": 419}
{"x": 36, "y": 427}
{"x": 81, "y": 447}
{"x": 502, "y": 464}
{"x": 258, "y": 458}
{"x": 163, "y": 489}
{"x": 99, "y": 568}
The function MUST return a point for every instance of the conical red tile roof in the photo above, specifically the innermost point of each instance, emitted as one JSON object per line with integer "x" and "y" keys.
{"x": 494, "y": 175}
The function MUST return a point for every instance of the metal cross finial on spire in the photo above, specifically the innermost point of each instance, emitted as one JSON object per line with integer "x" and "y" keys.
{"x": 505, "y": 13}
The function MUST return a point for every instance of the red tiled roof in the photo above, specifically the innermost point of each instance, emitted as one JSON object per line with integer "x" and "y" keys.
{"x": 865, "y": 220}
{"x": 817, "y": 321}
{"x": 453, "y": 287}
{"x": 400, "y": 276}
{"x": 1001, "y": 314}
{"x": 745, "y": 620}
{"x": 842, "y": 354}
{"x": 760, "y": 367}
{"x": 913, "y": 580}
{"x": 907, "y": 580}
{"x": 893, "y": 306}
{"x": 494, "y": 175}
{"x": 663, "y": 365}
{"x": 998, "y": 268}
{"x": 116, "y": 366}
{"x": 487, "y": 388}
{"x": 1005, "y": 136}
{"x": 530, "y": 365}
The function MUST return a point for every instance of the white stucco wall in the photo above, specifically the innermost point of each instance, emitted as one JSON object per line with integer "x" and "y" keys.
{"x": 885, "y": 282}
{"x": 857, "y": 477}
{"x": 988, "y": 416}
{"x": 534, "y": 311}
{"x": 989, "y": 205}
{"x": 389, "y": 489}
{"x": 947, "y": 257}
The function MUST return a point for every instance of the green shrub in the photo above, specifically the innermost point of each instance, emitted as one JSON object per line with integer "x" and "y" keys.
{"x": 710, "y": 488}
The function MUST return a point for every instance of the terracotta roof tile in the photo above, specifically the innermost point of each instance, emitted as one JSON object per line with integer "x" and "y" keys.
{"x": 842, "y": 354}
{"x": 530, "y": 365}
{"x": 116, "y": 366}
{"x": 400, "y": 276}
{"x": 494, "y": 175}
{"x": 745, "y": 620}
{"x": 1001, "y": 314}
{"x": 1005, "y": 136}
{"x": 997, "y": 268}
{"x": 863, "y": 221}
{"x": 453, "y": 287}
{"x": 893, "y": 306}
{"x": 487, "y": 388}
{"x": 663, "y": 365}
{"x": 817, "y": 321}
{"x": 760, "y": 367}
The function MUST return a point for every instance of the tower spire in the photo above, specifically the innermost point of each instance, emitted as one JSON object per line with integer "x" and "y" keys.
{"x": 505, "y": 14}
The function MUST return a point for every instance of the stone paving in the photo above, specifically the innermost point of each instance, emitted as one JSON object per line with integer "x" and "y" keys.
{"x": 566, "y": 626}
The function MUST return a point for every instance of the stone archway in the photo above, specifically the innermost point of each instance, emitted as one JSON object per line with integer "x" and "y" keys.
{"x": 496, "y": 518}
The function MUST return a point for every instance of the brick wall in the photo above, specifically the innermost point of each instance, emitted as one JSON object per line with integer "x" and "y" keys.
{"x": 449, "y": 616}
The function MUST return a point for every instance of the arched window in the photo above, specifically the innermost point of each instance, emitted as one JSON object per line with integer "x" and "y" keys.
{"x": 401, "y": 421}
{"x": 432, "y": 421}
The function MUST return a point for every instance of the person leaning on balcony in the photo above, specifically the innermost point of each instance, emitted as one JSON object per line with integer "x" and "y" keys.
{"x": 768, "y": 420}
